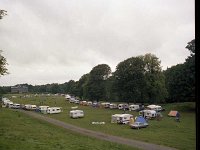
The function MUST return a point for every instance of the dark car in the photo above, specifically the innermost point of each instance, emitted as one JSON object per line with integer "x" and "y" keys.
{"x": 138, "y": 125}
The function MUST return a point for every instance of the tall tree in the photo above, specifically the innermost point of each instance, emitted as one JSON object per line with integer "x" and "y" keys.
{"x": 3, "y": 63}
{"x": 129, "y": 79}
{"x": 180, "y": 79}
{"x": 2, "y": 13}
{"x": 190, "y": 70}
{"x": 82, "y": 92}
{"x": 96, "y": 82}
{"x": 155, "y": 81}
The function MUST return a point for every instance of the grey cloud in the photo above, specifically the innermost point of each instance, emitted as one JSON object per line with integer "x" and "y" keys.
{"x": 55, "y": 41}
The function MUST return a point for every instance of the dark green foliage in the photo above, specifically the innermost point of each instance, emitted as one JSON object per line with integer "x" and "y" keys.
{"x": 96, "y": 85}
{"x": 2, "y": 13}
{"x": 139, "y": 79}
{"x": 129, "y": 79}
{"x": 155, "y": 88}
{"x": 3, "y": 63}
{"x": 180, "y": 79}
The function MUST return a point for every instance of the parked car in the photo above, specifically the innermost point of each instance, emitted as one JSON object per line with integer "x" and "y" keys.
{"x": 138, "y": 125}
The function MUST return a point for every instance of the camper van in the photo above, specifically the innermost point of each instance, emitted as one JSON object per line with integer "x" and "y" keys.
{"x": 76, "y": 113}
{"x": 148, "y": 113}
{"x": 53, "y": 110}
{"x": 134, "y": 107}
{"x": 122, "y": 118}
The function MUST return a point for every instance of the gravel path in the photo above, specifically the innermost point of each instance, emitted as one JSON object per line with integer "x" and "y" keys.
{"x": 99, "y": 135}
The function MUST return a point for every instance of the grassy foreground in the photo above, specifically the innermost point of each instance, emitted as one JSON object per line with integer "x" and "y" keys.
{"x": 180, "y": 135}
{"x": 20, "y": 132}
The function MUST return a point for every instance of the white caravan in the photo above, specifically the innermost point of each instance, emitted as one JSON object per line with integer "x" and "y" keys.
{"x": 121, "y": 118}
{"x": 148, "y": 113}
{"x": 89, "y": 103}
{"x": 53, "y": 110}
{"x": 105, "y": 105}
{"x": 5, "y": 102}
{"x": 30, "y": 107}
{"x": 72, "y": 100}
{"x": 124, "y": 118}
{"x": 76, "y": 113}
{"x": 113, "y": 106}
{"x": 9, "y": 104}
{"x": 115, "y": 117}
{"x": 16, "y": 106}
{"x": 155, "y": 107}
{"x": 67, "y": 97}
{"x": 123, "y": 106}
{"x": 43, "y": 109}
{"x": 133, "y": 107}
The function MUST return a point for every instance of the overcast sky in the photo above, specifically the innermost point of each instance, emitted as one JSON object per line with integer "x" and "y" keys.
{"x": 48, "y": 41}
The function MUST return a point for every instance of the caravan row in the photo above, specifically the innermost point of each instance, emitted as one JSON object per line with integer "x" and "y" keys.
{"x": 7, "y": 103}
{"x": 43, "y": 109}
{"x": 122, "y": 106}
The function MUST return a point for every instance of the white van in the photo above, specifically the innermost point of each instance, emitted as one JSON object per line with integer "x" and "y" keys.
{"x": 76, "y": 113}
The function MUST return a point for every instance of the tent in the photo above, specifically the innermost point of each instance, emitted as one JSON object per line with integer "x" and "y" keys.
{"x": 140, "y": 119}
{"x": 173, "y": 113}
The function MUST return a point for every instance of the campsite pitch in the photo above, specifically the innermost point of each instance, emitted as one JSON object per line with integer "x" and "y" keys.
{"x": 166, "y": 132}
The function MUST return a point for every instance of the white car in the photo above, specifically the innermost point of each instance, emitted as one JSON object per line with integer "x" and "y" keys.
{"x": 138, "y": 125}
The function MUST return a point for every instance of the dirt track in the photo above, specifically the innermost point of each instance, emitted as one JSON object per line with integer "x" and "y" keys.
{"x": 99, "y": 135}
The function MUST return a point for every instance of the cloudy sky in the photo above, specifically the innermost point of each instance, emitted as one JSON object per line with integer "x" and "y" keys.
{"x": 48, "y": 41}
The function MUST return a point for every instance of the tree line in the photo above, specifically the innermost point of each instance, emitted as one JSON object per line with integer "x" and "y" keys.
{"x": 136, "y": 79}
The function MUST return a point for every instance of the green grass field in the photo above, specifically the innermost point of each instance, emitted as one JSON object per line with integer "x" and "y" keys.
{"x": 181, "y": 135}
{"x": 20, "y": 132}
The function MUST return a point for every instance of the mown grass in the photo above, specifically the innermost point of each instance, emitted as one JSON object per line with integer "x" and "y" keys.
{"x": 20, "y": 132}
{"x": 181, "y": 135}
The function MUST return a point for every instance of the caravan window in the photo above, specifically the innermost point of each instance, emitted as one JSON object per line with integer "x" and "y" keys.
{"x": 152, "y": 114}
{"x": 52, "y": 109}
{"x": 58, "y": 109}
